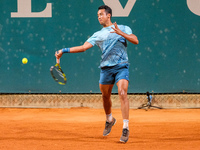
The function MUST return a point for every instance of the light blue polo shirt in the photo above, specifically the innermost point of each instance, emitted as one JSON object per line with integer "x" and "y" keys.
{"x": 112, "y": 45}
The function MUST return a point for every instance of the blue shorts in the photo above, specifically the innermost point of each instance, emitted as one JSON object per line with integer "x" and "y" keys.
{"x": 111, "y": 75}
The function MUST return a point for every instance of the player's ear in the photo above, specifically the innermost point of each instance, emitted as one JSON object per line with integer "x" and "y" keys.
{"x": 109, "y": 15}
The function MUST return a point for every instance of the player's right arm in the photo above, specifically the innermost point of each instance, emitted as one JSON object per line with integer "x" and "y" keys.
{"x": 76, "y": 49}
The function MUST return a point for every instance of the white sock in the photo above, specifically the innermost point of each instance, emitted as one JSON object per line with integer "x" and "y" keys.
{"x": 125, "y": 124}
{"x": 109, "y": 117}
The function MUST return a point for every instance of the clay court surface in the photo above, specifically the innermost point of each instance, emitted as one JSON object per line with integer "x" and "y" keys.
{"x": 82, "y": 128}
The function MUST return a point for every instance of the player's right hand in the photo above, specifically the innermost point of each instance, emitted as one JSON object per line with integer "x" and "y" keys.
{"x": 58, "y": 54}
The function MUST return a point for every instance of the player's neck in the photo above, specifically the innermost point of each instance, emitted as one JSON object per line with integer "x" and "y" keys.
{"x": 108, "y": 24}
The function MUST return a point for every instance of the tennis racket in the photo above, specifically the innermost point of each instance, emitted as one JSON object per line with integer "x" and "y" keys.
{"x": 57, "y": 73}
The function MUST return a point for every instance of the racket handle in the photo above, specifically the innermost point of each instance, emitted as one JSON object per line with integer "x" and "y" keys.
{"x": 58, "y": 60}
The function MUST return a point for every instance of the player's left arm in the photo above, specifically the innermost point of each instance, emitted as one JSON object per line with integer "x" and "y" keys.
{"x": 130, "y": 37}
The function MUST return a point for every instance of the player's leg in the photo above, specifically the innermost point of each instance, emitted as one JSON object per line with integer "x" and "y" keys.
{"x": 122, "y": 80}
{"x": 122, "y": 91}
{"x": 106, "y": 96}
{"x": 107, "y": 104}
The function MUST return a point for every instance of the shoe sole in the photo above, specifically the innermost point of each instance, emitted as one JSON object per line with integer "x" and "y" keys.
{"x": 123, "y": 141}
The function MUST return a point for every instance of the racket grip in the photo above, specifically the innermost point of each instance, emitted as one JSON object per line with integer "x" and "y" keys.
{"x": 58, "y": 60}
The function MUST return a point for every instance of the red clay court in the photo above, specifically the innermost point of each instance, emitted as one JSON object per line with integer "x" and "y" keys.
{"x": 82, "y": 128}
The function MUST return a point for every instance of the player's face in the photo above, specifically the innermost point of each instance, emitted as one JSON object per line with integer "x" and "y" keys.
{"x": 103, "y": 17}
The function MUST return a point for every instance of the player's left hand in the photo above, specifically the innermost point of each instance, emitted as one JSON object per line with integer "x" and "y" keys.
{"x": 116, "y": 29}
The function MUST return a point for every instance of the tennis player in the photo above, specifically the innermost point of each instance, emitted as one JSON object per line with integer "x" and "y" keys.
{"x": 112, "y": 40}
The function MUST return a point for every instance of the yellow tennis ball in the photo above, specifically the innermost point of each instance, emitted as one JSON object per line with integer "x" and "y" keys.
{"x": 24, "y": 60}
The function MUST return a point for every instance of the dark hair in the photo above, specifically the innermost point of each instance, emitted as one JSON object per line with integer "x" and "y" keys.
{"x": 108, "y": 10}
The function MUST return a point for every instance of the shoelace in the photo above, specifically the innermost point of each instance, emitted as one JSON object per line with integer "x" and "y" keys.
{"x": 125, "y": 132}
{"x": 107, "y": 124}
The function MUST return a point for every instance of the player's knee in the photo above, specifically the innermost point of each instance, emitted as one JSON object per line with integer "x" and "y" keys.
{"x": 122, "y": 93}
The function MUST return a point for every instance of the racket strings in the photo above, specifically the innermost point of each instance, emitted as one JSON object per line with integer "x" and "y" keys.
{"x": 58, "y": 75}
